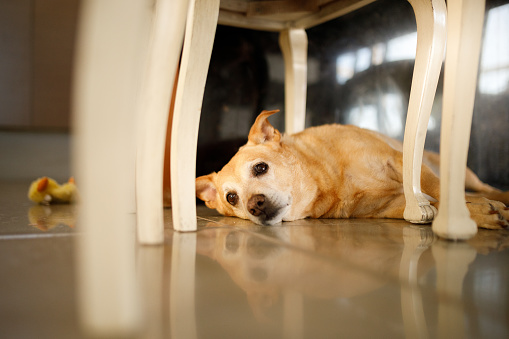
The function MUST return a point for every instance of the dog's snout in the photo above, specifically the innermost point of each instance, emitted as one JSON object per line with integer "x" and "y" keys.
{"x": 256, "y": 204}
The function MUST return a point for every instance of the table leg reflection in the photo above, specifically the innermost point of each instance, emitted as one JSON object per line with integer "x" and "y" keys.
{"x": 182, "y": 286}
{"x": 417, "y": 240}
{"x": 452, "y": 261}
{"x": 150, "y": 270}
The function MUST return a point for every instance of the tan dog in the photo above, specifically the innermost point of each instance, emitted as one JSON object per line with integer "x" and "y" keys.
{"x": 331, "y": 171}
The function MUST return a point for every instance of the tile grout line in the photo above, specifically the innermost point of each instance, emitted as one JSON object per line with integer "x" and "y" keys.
{"x": 35, "y": 236}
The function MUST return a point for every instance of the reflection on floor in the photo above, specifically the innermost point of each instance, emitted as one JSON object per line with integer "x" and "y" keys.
{"x": 304, "y": 279}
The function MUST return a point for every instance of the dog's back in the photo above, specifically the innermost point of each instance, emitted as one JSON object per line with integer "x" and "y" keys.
{"x": 357, "y": 172}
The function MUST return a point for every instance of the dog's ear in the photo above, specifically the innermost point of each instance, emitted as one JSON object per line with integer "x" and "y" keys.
{"x": 206, "y": 190}
{"x": 262, "y": 131}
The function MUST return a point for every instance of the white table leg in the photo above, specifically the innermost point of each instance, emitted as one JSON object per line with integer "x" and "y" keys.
{"x": 110, "y": 45}
{"x": 431, "y": 37}
{"x": 154, "y": 103}
{"x": 465, "y": 24}
{"x": 198, "y": 42}
{"x": 294, "y": 46}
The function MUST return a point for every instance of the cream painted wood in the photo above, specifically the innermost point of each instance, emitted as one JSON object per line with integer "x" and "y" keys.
{"x": 294, "y": 46}
{"x": 304, "y": 20}
{"x": 228, "y": 18}
{"x": 465, "y": 24}
{"x": 164, "y": 49}
{"x": 331, "y": 11}
{"x": 452, "y": 261}
{"x": 431, "y": 17}
{"x": 182, "y": 286}
{"x": 107, "y": 71}
{"x": 198, "y": 42}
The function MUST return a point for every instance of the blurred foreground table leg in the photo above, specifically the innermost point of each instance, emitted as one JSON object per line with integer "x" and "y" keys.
{"x": 107, "y": 71}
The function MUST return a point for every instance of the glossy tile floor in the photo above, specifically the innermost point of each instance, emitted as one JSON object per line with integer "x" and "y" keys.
{"x": 304, "y": 279}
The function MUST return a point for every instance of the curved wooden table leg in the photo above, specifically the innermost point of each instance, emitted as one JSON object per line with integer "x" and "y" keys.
{"x": 294, "y": 46}
{"x": 463, "y": 49}
{"x": 198, "y": 42}
{"x": 431, "y": 37}
{"x": 161, "y": 65}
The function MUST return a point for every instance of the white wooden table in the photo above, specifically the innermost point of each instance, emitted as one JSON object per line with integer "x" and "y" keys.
{"x": 291, "y": 19}
{"x": 112, "y": 109}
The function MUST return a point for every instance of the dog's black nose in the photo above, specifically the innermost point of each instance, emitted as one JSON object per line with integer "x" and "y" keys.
{"x": 256, "y": 204}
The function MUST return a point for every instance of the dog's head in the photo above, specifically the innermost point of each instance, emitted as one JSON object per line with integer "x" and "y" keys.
{"x": 257, "y": 182}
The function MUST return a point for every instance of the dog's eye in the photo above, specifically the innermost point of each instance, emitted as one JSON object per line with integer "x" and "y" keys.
{"x": 260, "y": 168}
{"x": 232, "y": 198}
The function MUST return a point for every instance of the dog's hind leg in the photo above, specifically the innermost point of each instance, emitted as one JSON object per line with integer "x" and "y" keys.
{"x": 482, "y": 207}
{"x": 472, "y": 181}
{"x": 497, "y": 196}
{"x": 474, "y": 184}
{"x": 491, "y": 193}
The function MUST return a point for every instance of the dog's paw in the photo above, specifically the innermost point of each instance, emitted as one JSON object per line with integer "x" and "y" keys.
{"x": 488, "y": 214}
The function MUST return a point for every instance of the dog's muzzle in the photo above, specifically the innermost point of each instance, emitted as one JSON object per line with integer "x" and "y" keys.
{"x": 262, "y": 209}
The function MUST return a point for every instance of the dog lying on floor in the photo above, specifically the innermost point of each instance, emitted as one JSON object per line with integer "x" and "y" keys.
{"x": 331, "y": 171}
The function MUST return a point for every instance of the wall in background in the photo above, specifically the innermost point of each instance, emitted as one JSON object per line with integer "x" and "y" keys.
{"x": 36, "y": 51}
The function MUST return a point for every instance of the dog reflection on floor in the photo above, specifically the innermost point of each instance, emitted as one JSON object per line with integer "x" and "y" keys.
{"x": 327, "y": 269}
{"x": 318, "y": 260}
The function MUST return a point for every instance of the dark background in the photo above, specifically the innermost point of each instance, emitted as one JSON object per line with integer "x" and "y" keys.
{"x": 246, "y": 75}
